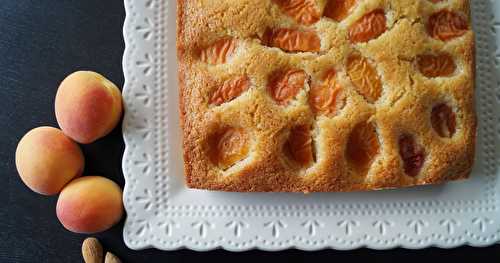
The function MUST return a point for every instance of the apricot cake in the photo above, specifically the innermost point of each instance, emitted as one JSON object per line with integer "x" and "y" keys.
{"x": 325, "y": 95}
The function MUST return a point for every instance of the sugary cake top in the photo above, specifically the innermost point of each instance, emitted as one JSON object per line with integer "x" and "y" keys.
{"x": 339, "y": 95}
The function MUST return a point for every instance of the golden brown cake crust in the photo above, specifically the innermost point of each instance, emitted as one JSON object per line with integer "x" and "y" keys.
{"x": 404, "y": 107}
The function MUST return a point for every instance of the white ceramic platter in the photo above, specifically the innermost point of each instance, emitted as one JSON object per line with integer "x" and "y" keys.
{"x": 163, "y": 213}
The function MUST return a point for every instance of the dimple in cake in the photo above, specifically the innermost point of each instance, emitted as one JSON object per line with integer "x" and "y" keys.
{"x": 325, "y": 95}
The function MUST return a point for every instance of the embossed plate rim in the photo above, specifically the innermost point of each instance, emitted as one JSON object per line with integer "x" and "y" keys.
{"x": 155, "y": 220}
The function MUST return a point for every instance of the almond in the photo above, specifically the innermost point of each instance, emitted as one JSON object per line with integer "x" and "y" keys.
{"x": 111, "y": 258}
{"x": 92, "y": 250}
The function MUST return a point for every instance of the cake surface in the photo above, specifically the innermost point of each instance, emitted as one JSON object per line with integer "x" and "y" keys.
{"x": 325, "y": 95}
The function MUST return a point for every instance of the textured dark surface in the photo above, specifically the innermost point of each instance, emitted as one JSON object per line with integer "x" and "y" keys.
{"x": 41, "y": 41}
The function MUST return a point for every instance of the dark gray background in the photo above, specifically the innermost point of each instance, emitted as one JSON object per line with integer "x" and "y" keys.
{"x": 41, "y": 41}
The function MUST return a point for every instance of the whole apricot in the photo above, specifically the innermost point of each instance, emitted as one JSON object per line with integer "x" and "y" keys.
{"x": 47, "y": 160}
{"x": 90, "y": 204}
{"x": 88, "y": 106}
